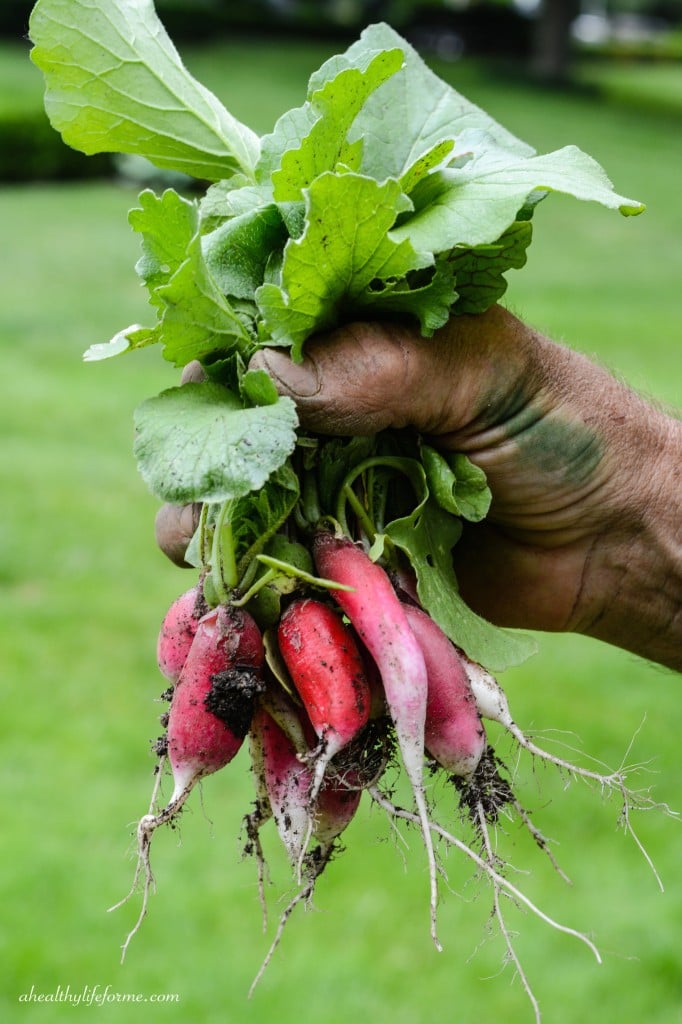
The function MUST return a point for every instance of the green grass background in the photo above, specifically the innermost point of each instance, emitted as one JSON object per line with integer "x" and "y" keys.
{"x": 83, "y": 589}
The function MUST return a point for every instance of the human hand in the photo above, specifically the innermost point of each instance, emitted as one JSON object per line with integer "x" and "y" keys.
{"x": 573, "y": 458}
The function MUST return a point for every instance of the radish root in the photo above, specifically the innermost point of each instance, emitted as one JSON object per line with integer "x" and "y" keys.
{"x": 315, "y": 863}
{"x": 487, "y": 864}
{"x": 146, "y": 827}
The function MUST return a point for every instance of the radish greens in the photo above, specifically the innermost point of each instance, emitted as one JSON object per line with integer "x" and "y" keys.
{"x": 385, "y": 194}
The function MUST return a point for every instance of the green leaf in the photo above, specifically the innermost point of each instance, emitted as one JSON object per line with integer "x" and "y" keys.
{"x": 231, "y": 198}
{"x": 236, "y": 253}
{"x": 198, "y": 443}
{"x": 116, "y": 84}
{"x": 258, "y": 388}
{"x": 336, "y": 101}
{"x": 196, "y": 320}
{"x": 427, "y": 537}
{"x": 257, "y": 516}
{"x": 312, "y": 139}
{"x": 115, "y": 347}
{"x": 424, "y": 164}
{"x": 426, "y": 295}
{"x": 346, "y": 252}
{"x": 413, "y": 111}
{"x": 479, "y": 271}
{"x": 475, "y": 203}
{"x": 167, "y": 224}
{"x": 456, "y": 484}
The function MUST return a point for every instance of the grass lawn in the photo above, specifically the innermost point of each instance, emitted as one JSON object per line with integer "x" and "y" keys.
{"x": 82, "y": 591}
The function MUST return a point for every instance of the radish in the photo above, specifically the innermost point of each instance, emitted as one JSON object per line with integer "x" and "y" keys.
{"x": 453, "y": 735}
{"x": 287, "y": 781}
{"x": 335, "y": 809}
{"x": 209, "y": 717}
{"x": 212, "y": 704}
{"x": 328, "y": 672}
{"x": 380, "y": 621}
{"x": 177, "y": 631}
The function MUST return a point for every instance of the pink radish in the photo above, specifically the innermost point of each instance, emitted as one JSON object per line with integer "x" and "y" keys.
{"x": 453, "y": 734}
{"x": 221, "y": 672}
{"x": 287, "y": 782}
{"x": 283, "y": 782}
{"x": 177, "y": 631}
{"x": 380, "y": 621}
{"x": 335, "y": 809}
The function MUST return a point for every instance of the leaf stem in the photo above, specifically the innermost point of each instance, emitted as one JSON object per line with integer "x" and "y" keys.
{"x": 261, "y": 582}
{"x": 204, "y": 546}
{"x": 310, "y": 498}
{"x": 407, "y": 466}
{"x": 349, "y": 497}
{"x": 223, "y": 563}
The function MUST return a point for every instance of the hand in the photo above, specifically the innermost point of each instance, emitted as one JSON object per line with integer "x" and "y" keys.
{"x": 581, "y": 530}
{"x": 580, "y": 468}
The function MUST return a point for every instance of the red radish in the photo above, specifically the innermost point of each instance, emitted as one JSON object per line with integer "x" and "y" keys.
{"x": 283, "y": 782}
{"x": 380, "y": 621}
{"x": 226, "y": 651}
{"x": 335, "y": 809}
{"x": 453, "y": 733}
{"x": 209, "y": 716}
{"x": 280, "y": 706}
{"x": 287, "y": 782}
{"x": 177, "y": 631}
{"x": 328, "y": 672}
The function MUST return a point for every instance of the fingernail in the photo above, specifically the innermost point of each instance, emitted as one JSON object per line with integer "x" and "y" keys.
{"x": 300, "y": 380}
{"x": 193, "y": 373}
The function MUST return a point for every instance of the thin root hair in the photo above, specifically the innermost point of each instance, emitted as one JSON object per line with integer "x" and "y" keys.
{"x": 315, "y": 863}
{"x": 489, "y": 865}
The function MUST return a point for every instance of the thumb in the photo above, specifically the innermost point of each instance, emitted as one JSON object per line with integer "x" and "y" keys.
{"x": 359, "y": 379}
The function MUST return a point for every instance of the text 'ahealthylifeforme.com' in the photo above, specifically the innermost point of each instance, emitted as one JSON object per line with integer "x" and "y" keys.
{"x": 94, "y": 995}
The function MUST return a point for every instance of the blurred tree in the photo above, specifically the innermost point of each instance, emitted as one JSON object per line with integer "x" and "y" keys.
{"x": 14, "y": 17}
{"x": 552, "y": 43}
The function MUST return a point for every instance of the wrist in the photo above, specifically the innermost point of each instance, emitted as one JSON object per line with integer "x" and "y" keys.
{"x": 631, "y": 593}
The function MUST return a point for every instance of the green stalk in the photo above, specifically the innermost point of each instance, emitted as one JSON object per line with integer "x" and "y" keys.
{"x": 223, "y": 562}
{"x": 204, "y": 547}
{"x": 310, "y": 498}
{"x": 347, "y": 496}
{"x": 261, "y": 582}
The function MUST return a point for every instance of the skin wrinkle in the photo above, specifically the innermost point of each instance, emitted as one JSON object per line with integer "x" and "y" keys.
{"x": 573, "y": 623}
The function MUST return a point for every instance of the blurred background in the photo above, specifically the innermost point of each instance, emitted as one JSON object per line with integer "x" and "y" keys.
{"x": 83, "y": 588}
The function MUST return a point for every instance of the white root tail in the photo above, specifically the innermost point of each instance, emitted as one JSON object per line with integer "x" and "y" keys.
{"x": 500, "y": 885}
{"x": 492, "y": 703}
{"x": 146, "y": 827}
{"x": 315, "y": 865}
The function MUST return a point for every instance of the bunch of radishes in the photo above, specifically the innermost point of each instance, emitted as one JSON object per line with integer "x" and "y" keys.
{"x": 352, "y": 670}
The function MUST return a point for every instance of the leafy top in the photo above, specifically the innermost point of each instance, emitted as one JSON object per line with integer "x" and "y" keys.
{"x": 386, "y": 193}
